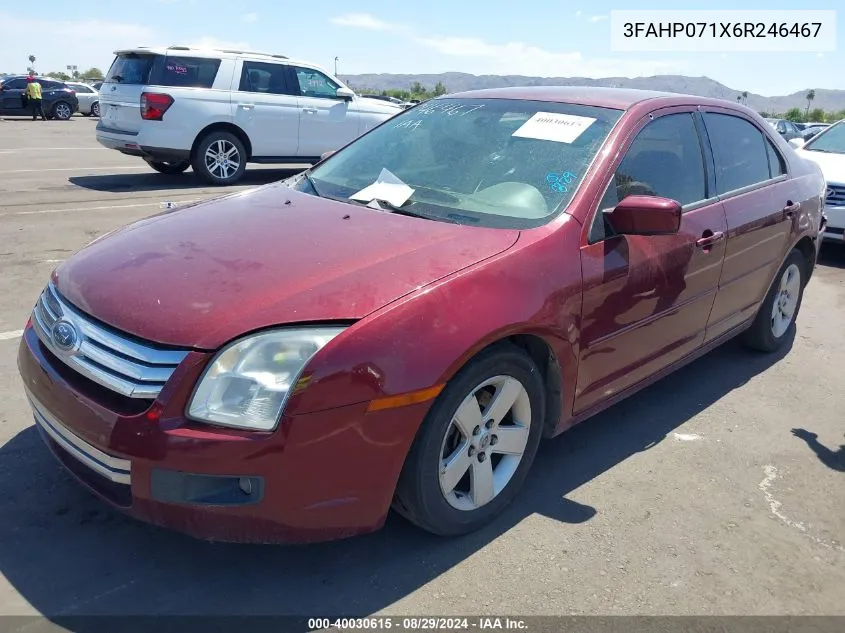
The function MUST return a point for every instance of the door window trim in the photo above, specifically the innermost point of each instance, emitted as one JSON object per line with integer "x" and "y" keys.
{"x": 758, "y": 185}
{"x": 610, "y": 171}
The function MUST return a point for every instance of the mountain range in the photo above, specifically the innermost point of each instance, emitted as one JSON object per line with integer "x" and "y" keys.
{"x": 828, "y": 100}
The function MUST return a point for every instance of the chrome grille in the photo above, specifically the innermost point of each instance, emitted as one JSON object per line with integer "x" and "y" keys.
{"x": 128, "y": 366}
{"x": 835, "y": 195}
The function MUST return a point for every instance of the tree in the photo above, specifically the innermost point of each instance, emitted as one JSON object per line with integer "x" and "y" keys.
{"x": 439, "y": 89}
{"x": 745, "y": 96}
{"x": 59, "y": 75}
{"x": 94, "y": 74}
{"x": 810, "y": 96}
{"x": 816, "y": 114}
{"x": 793, "y": 114}
{"x": 738, "y": 98}
{"x": 417, "y": 88}
{"x": 766, "y": 115}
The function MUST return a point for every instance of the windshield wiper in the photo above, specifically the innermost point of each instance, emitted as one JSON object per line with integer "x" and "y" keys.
{"x": 310, "y": 181}
{"x": 384, "y": 205}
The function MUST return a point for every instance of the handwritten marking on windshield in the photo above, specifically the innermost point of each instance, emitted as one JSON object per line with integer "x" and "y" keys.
{"x": 560, "y": 182}
{"x": 409, "y": 125}
{"x": 452, "y": 109}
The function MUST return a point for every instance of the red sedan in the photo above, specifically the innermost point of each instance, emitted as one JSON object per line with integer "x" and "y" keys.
{"x": 402, "y": 324}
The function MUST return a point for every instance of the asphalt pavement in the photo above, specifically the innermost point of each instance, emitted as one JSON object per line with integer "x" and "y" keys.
{"x": 693, "y": 497}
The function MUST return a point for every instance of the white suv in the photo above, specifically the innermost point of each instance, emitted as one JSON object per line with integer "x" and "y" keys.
{"x": 216, "y": 110}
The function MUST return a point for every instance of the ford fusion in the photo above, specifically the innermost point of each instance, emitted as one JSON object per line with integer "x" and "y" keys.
{"x": 401, "y": 325}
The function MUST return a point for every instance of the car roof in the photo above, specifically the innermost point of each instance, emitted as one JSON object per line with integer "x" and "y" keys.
{"x": 617, "y": 98}
{"x": 200, "y": 51}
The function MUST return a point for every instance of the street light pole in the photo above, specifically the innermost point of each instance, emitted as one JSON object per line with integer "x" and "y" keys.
{"x": 335, "y": 66}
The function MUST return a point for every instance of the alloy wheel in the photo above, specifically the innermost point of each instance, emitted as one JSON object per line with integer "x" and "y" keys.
{"x": 786, "y": 300}
{"x": 222, "y": 159}
{"x": 484, "y": 443}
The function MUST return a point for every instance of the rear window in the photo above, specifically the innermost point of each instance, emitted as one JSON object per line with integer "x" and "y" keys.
{"x": 131, "y": 69}
{"x": 158, "y": 70}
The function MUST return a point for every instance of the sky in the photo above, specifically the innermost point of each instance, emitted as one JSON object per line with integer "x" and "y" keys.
{"x": 474, "y": 36}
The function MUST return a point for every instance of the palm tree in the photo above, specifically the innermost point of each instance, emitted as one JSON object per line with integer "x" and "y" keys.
{"x": 745, "y": 97}
{"x": 32, "y": 64}
{"x": 738, "y": 98}
{"x": 810, "y": 96}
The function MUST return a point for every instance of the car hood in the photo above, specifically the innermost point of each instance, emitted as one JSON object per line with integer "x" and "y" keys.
{"x": 202, "y": 275}
{"x": 832, "y": 165}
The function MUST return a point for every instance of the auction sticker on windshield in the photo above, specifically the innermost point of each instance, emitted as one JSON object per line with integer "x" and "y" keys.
{"x": 550, "y": 126}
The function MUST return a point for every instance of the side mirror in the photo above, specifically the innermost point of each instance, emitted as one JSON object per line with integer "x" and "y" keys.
{"x": 345, "y": 93}
{"x": 646, "y": 215}
{"x": 797, "y": 142}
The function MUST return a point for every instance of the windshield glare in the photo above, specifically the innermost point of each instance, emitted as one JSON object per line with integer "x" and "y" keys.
{"x": 487, "y": 162}
{"x": 831, "y": 139}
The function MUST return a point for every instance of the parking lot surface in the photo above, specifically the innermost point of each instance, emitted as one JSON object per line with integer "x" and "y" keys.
{"x": 693, "y": 497}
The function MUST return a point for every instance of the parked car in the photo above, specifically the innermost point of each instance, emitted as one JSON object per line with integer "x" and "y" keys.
{"x": 827, "y": 150}
{"x": 402, "y": 104}
{"x": 404, "y": 322}
{"x": 89, "y": 98}
{"x": 217, "y": 110}
{"x": 810, "y": 131}
{"x": 96, "y": 85}
{"x": 58, "y": 100}
{"x": 787, "y": 129}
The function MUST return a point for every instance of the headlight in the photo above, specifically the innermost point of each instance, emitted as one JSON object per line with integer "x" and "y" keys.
{"x": 248, "y": 383}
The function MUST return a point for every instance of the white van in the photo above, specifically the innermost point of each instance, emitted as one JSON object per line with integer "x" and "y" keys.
{"x": 216, "y": 110}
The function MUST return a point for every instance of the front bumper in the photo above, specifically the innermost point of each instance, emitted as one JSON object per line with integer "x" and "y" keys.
{"x": 835, "y": 229}
{"x": 320, "y": 476}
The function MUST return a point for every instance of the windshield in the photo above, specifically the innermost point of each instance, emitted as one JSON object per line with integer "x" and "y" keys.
{"x": 487, "y": 162}
{"x": 831, "y": 139}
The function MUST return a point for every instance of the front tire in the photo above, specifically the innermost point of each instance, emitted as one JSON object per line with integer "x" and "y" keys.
{"x": 62, "y": 111}
{"x": 164, "y": 167}
{"x": 475, "y": 446}
{"x": 220, "y": 159}
{"x": 779, "y": 309}
{"x": 95, "y": 109}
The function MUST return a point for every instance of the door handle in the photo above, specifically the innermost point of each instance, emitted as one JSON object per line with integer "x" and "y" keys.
{"x": 310, "y": 110}
{"x": 246, "y": 106}
{"x": 790, "y": 208}
{"x": 709, "y": 238}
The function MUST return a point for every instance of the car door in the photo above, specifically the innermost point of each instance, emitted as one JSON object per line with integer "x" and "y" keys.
{"x": 753, "y": 184}
{"x": 646, "y": 299}
{"x": 11, "y": 103}
{"x": 267, "y": 109}
{"x": 327, "y": 122}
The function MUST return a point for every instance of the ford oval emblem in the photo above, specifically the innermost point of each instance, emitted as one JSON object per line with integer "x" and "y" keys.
{"x": 828, "y": 193}
{"x": 65, "y": 335}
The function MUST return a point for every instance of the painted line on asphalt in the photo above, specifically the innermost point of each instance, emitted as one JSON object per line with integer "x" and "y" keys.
{"x": 103, "y": 208}
{"x": 53, "y": 149}
{"x": 7, "y": 336}
{"x": 28, "y": 171}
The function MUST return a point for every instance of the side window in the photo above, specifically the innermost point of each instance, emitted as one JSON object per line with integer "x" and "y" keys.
{"x": 777, "y": 166}
{"x": 739, "y": 150}
{"x": 16, "y": 84}
{"x": 665, "y": 159}
{"x": 265, "y": 78}
{"x": 781, "y": 127}
{"x": 313, "y": 83}
{"x": 187, "y": 72}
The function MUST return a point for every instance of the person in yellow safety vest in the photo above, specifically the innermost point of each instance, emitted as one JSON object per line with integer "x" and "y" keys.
{"x": 33, "y": 95}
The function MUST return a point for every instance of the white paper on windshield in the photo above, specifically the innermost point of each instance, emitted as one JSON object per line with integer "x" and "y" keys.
{"x": 387, "y": 187}
{"x": 550, "y": 126}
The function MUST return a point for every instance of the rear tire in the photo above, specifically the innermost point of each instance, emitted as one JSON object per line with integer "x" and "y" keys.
{"x": 471, "y": 455}
{"x": 165, "y": 167}
{"x": 220, "y": 159}
{"x": 62, "y": 111}
{"x": 95, "y": 109}
{"x": 779, "y": 310}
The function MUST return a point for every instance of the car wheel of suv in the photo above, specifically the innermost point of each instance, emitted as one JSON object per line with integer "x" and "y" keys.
{"x": 475, "y": 446}
{"x": 780, "y": 308}
{"x": 62, "y": 111}
{"x": 165, "y": 167}
{"x": 220, "y": 158}
{"x": 95, "y": 109}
